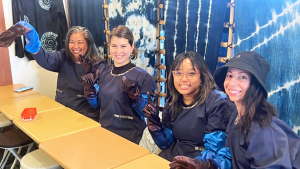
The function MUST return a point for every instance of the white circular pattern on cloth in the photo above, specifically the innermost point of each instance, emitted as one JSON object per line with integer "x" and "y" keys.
{"x": 45, "y": 4}
{"x": 26, "y": 19}
{"x": 49, "y": 43}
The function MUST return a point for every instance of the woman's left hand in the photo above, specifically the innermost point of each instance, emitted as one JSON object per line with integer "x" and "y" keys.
{"x": 131, "y": 88}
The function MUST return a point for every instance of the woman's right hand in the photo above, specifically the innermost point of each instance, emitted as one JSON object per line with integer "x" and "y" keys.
{"x": 86, "y": 63}
{"x": 182, "y": 162}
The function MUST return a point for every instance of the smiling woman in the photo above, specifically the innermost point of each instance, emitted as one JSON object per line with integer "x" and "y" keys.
{"x": 194, "y": 110}
{"x": 70, "y": 89}
{"x": 77, "y": 45}
{"x": 123, "y": 88}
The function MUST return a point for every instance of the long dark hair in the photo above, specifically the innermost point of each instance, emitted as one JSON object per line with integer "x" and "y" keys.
{"x": 91, "y": 52}
{"x": 207, "y": 81}
{"x": 124, "y": 32}
{"x": 256, "y": 106}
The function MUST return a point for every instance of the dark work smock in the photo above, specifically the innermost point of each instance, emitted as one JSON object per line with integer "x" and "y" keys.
{"x": 117, "y": 113}
{"x": 274, "y": 146}
{"x": 70, "y": 89}
{"x": 194, "y": 122}
{"x": 49, "y": 20}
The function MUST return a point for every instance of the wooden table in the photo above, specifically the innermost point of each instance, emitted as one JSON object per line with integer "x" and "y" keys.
{"x": 8, "y": 91}
{"x": 150, "y": 161}
{"x": 55, "y": 123}
{"x": 13, "y": 107}
{"x": 93, "y": 148}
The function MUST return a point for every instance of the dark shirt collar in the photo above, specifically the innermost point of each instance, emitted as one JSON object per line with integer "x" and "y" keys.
{"x": 122, "y": 69}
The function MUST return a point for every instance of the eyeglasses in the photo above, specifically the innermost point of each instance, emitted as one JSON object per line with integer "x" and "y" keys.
{"x": 189, "y": 75}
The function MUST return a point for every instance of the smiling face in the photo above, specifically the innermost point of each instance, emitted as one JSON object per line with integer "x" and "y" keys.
{"x": 188, "y": 81}
{"x": 77, "y": 45}
{"x": 120, "y": 49}
{"x": 236, "y": 84}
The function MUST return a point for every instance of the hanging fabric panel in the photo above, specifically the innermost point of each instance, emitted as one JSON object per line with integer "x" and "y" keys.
{"x": 271, "y": 28}
{"x": 88, "y": 14}
{"x": 194, "y": 25}
{"x": 140, "y": 17}
{"x": 47, "y": 17}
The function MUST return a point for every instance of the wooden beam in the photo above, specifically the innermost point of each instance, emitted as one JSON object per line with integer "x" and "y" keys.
{"x": 5, "y": 70}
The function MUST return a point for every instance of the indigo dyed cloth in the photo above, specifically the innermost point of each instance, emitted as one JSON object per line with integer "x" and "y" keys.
{"x": 47, "y": 17}
{"x": 88, "y": 14}
{"x": 271, "y": 28}
{"x": 140, "y": 17}
{"x": 194, "y": 25}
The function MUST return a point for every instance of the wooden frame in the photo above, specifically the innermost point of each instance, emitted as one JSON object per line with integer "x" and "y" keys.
{"x": 5, "y": 70}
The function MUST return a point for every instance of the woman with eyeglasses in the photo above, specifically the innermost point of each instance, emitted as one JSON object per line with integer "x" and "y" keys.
{"x": 194, "y": 109}
{"x": 256, "y": 137}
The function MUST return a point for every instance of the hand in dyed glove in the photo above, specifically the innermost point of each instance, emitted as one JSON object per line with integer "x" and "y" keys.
{"x": 86, "y": 63}
{"x": 151, "y": 111}
{"x": 131, "y": 88}
{"x": 182, "y": 162}
{"x": 8, "y": 36}
{"x": 32, "y": 38}
{"x": 89, "y": 80}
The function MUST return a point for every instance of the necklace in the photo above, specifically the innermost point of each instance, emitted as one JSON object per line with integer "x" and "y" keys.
{"x": 236, "y": 120}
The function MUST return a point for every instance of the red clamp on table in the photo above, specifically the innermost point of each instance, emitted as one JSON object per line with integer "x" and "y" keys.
{"x": 28, "y": 114}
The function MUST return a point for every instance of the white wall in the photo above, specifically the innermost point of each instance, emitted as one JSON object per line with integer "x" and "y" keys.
{"x": 28, "y": 72}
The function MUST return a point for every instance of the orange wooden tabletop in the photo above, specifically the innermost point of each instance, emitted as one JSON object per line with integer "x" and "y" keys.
{"x": 54, "y": 123}
{"x": 93, "y": 148}
{"x": 150, "y": 161}
{"x": 8, "y": 91}
{"x": 13, "y": 107}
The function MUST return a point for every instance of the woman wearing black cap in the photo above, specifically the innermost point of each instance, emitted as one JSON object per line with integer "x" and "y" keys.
{"x": 257, "y": 138}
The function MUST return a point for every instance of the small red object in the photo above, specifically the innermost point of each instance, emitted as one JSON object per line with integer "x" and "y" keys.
{"x": 28, "y": 114}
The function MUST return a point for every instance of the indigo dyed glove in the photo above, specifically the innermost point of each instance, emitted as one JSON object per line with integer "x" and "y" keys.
{"x": 86, "y": 63}
{"x": 89, "y": 81}
{"x": 131, "y": 88}
{"x": 151, "y": 111}
{"x": 32, "y": 38}
{"x": 182, "y": 162}
{"x": 8, "y": 36}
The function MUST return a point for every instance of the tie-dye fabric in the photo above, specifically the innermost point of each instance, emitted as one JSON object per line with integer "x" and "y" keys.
{"x": 271, "y": 28}
{"x": 194, "y": 25}
{"x": 140, "y": 17}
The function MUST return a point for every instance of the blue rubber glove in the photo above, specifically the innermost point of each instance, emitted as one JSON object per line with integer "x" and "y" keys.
{"x": 213, "y": 142}
{"x": 223, "y": 158}
{"x": 32, "y": 38}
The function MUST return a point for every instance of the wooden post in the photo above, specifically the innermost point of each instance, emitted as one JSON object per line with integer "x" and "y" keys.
{"x": 106, "y": 31}
{"x": 230, "y": 25}
{"x": 5, "y": 70}
{"x": 230, "y": 33}
{"x": 159, "y": 51}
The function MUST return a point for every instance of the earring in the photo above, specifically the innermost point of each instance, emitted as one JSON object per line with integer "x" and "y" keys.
{"x": 131, "y": 55}
{"x": 200, "y": 84}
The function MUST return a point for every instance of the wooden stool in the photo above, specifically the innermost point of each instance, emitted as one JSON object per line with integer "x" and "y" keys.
{"x": 38, "y": 160}
{"x": 12, "y": 140}
{"x": 4, "y": 122}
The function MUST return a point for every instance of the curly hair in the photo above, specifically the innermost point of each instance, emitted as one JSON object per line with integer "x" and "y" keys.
{"x": 207, "y": 80}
